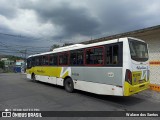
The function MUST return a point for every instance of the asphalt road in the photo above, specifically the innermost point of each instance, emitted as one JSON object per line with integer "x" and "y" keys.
{"x": 17, "y": 92}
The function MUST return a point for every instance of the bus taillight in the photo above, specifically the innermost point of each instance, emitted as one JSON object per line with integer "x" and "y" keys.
{"x": 128, "y": 76}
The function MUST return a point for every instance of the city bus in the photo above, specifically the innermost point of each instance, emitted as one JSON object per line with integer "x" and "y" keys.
{"x": 117, "y": 67}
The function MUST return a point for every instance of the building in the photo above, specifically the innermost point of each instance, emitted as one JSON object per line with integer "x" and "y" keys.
{"x": 151, "y": 36}
{"x": 8, "y": 64}
{"x": 19, "y": 66}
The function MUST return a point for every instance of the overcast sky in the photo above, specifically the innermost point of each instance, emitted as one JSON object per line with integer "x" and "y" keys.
{"x": 46, "y": 22}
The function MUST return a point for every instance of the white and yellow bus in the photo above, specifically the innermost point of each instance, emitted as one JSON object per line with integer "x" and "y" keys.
{"x": 116, "y": 67}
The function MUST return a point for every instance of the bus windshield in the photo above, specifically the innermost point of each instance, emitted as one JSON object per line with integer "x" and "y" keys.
{"x": 138, "y": 50}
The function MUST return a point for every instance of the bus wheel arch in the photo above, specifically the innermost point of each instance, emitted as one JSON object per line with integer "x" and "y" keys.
{"x": 68, "y": 84}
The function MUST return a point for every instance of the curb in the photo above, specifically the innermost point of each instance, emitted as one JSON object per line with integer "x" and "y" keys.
{"x": 155, "y": 87}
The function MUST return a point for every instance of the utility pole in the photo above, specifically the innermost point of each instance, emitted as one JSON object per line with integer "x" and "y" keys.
{"x": 25, "y": 53}
{"x": 25, "y": 59}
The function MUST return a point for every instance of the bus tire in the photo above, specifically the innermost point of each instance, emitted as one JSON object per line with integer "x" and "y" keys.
{"x": 33, "y": 77}
{"x": 68, "y": 85}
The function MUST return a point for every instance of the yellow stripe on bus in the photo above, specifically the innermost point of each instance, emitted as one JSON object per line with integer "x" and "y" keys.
{"x": 47, "y": 71}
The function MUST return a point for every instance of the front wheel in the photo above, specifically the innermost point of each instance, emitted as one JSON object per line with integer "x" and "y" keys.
{"x": 33, "y": 78}
{"x": 68, "y": 85}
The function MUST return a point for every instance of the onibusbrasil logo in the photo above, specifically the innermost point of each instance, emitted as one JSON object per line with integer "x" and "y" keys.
{"x": 21, "y": 113}
{"x": 7, "y": 113}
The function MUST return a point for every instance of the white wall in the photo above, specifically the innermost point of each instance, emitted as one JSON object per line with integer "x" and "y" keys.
{"x": 153, "y": 41}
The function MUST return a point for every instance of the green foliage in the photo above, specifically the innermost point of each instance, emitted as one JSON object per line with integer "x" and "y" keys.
{"x": 67, "y": 44}
{"x": 14, "y": 58}
{"x": 54, "y": 46}
{"x": 57, "y": 46}
{"x": 2, "y": 64}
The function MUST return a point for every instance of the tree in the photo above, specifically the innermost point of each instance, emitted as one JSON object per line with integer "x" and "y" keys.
{"x": 67, "y": 44}
{"x": 57, "y": 46}
{"x": 14, "y": 58}
{"x": 54, "y": 46}
{"x": 2, "y": 64}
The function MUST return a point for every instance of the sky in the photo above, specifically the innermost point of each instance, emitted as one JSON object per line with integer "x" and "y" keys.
{"x": 35, "y": 25}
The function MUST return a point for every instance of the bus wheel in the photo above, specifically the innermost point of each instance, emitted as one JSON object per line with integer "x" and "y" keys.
{"x": 33, "y": 77}
{"x": 68, "y": 85}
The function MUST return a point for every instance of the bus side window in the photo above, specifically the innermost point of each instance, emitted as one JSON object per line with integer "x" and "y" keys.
{"x": 115, "y": 54}
{"x": 29, "y": 63}
{"x": 63, "y": 58}
{"x": 33, "y": 62}
{"x": 73, "y": 58}
{"x": 53, "y": 59}
{"x": 80, "y": 57}
{"x": 112, "y": 54}
{"x": 40, "y": 60}
{"x": 109, "y": 55}
{"x": 88, "y": 56}
{"x": 43, "y": 60}
{"x": 46, "y": 60}
{"x": 94, "y": 56}
{"x": 37, "y": 61}
{"x": 98, "y": 53}
{"x": 76, "y": 57}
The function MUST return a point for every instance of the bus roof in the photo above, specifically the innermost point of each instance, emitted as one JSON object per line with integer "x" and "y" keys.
{"x": 68, "y": 47}
{"x": 79, "y": 46}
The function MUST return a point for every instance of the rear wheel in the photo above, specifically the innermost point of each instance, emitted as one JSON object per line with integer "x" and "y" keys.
{"x": 68, "y": 85}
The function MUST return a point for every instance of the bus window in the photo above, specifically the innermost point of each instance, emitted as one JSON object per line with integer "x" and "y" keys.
{"x": 76, "y": 57}
{"x": 80, "y": 57}
{"x": 40, "y": 60}
{"x": 53, "y": 60}
{"x": 33, "y": 61}
{"x": 115, "y": 54}
{"x": 112, "y": 54}
{"x": 63, "y": 58}
{"x": 94, "y": 56}
{"x": 37, "y": 61}
{"x": 73, "y": 58}
{"x": 138, "y": 50}
{"x": 29, "y": 63}
{"x": 109, "y": 55}
{"x": 45, "y": 60}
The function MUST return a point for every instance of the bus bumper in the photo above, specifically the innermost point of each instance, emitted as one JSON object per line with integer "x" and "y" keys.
{"x": 132, "y": 89}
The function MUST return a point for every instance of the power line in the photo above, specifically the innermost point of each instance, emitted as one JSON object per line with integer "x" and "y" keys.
{"x": 7, "y": 34}
{"x": 27, "y": 46}
{"x": 13, "y": 48}
{"x": 9, "y": 51}
{"x": 20, "y": 36}
{"x": 2, "y": 44}
{"x": 13, "y": 52}
{"x": 21, "y": 49}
